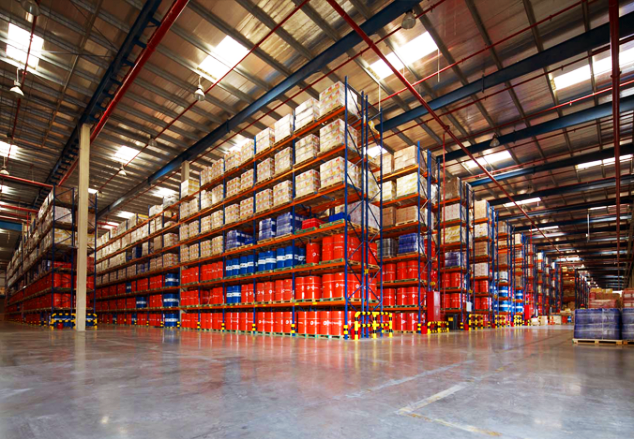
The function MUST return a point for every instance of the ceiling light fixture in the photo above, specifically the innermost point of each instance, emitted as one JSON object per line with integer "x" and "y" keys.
{"x": 199, "y": 94}
{"x": 4, "y": 170}
{"x": 409, "y": 20}
{"x": 494, "y": 141}
{"x": 122, "y": 171}
{"x": 152, "y": 143}
{"x": 17, "y": 87}
{"x": 30, "y": 6}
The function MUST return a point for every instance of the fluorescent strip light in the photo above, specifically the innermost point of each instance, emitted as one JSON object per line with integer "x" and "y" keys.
{"x": 410, "y": 52}
{"x": 92, "y": 191}
{"x": 125, "y": 154}
{"x": 606, "y": 162}
{"x": 164, "y": 192}
{"x": 549, "y": 228}
{"x": 599, "y": 67}
{"x": 5, "y": 148}
{"x": 489, "y": 159}
{"x": 18, "y": 45}
{"x": 126, "y": 214}
{"x": 528, "y": 201}
{"x": 227, "y": 54}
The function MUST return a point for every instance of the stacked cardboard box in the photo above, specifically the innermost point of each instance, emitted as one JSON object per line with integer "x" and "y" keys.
{"x": 284, "y": 128}
{"x": 282, "y": 193}
{"x": 452, "y": 235}
{"x": 232, "y": 213}
{"x": 405, "y": 157}
{"x": 205, "y": 199}
{"x": 233, "y": 187}
{"x": 205, "y": 249}
{"x": 307, "y": 183}
{"x": 217, "y": 194}
{"x": 217, "y": 169}
{"x": 335, "y": 134}
{"x": 246, "y": 180}
{"x": 263, "y": 200}
{"x": 247, "y": 151}
{"x": 453, "y": 212}
{"x": 481, "y": 230}
{"x": 335, "y": 97}
{"x": 481, "y": 249}
{"x": 217, "y": 220}
{"x": 481, "y": 209}
{"x": 266, "y": 169}
{"x": 306, "y": 148}
{"x": 217, "y": 245}
{"x": 389, "y": 190}
{"x": 205, "y": 224}
{"x": 264, "y": 140}
{"x": 481, "y": 269}
{"x": 628, "y": 298}
{"x": 334, "y": 171}
{"x": 306, "y": 113}
{"x": 246, "y": 208}
{"x": 283, "y": 161}
{"x": 600, "y": 298}
{"x": 232, "y": 160}
{"x": 189, "y": 187}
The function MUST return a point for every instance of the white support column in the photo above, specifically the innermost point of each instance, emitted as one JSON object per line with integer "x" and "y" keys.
{"x": 184, "y": 172}
{"x": 82, "y": 226}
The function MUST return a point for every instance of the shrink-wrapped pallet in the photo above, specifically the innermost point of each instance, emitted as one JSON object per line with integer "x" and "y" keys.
{"x": 371, "y": 185}
{"x": 306, "y": 148}
{"x": 407, "y": 185}
{"x": 307, "y": 183}
{"x": 264, "y": 140}
{"x": 452, "y": 235}
{"x": 217, "y": 194}
{"x": 232, "y": 160}
{"x": 183, "y": 232}
{"x": 263, "y": 200}
{"x": 217, "y": 245}
{"x": 481, "y": 230}
{"x": 233, "y": 187}
{"x": 284, "y": 127}
{"x": 481, "y": 269}
{"x": 335, "y": 97}
{"x": 453, "y": 188}
{"x": 388, "y": 189}
{"x": 282, "y": 193}
{"x": 194, "y": 252}
{"x": 194, "y": 229}
{"x": 217, "y": 169}
{"x": 481, "y": 249}
{"x": 205, "y": 224}
{"x": 246, "y": 180}
{"x": 232, "y": 213}
{"x": 184, "y": 251}
{"x": 389, "y": 216}
{"x": 334, "y": 135}
{"x": 247, "y": 151}
{"x": 205, "y": 199}
{"x": 453, "y": 212}
{"x": 306, "y": 113}
{"x": 205, "y": 176}
{"x": 334, "y": 171}
{"x": 189, "y": 187}
{"x": 246, "y": 209}
{"x": 217, "y": 220}
{"x": 481, "y": 209}
{"x": 205, "y": 249}
{"x": 283, "y": 161}
{"x": 266, "y": 169}
{"x": 170, "y": 239}
{"x": 170, "y": 259}
{"x": 408, "y": 214}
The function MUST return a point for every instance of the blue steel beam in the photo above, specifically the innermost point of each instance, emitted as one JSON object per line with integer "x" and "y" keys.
{"x": 570, "y": 208}
{"x": 567, "y": 238}
{"x": 572, "y": 161}
{"x": 378, "y": 21}
{"x": 10, "y": 225}
{"x": 574, "y": 188}
{"x": 575, "y": 222}
{"x": 592, "y": 39}
{"x": 108, "y": 80}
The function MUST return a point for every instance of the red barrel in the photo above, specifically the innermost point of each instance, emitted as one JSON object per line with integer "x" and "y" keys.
{"x": 249, "y": 321}
{"x": 312, "y": 322}
{"x": 446, "y": 300}
{"x": 247, "y": 293}
{"x": 338, "y": 246}
{"x": 401, "y": 296}
{"x": 401, "y": 271}
{"x": 268, "y": 321}
{"x": 313, "y": 251}
{"x": 327, "y": 249}
{"x": 338, "y": 285}
{"x": 389, "y": 297}
{"x": 243, "y": 321}
{"x": 287, "y": 290}
{"x": 354, "y": 287}
{"x": 300, "y": 289}
{"x": 456, "y": 300}
{"x": 287, "y": 320}
{"x": 279, "y": 290}
{"x": 389, "y": 272}
{"x": 328, "y": 285}
{"x": 324, "y": 322}
{"x": 412, "y": 269}
{"x": 412, "y": 321}
{"x": 336, "y": 323}
{"x": 259, "y": 323}
{"x": 278, "y": 321}
{"x": 268, "y": 291}
{"x": 412, "y": 295}
{"x": 259, "y": 292}
{"x": 301, "y": 317}
{"x": 312, "y": 287}
{"x": 373, "y": 257}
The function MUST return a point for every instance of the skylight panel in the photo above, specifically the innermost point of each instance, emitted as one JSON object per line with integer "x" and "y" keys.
{"x": 18, "y": 46}
{"x": 489, "y": 159}
{"x": 606, "y": 162}
{"x": 226, "y": 55}
{"x": 410, "y": 52}
{"x": 125, "y": 214}
{"x": 626, "y": 58}
{"x": 528, "y": 201}
{"x": 125, "y": 154}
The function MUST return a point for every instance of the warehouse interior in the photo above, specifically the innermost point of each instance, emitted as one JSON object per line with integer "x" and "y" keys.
{"x": 316, "y": 217}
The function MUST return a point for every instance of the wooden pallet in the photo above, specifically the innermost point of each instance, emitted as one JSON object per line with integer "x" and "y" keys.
{"x": 598, "y": 341}
{"x": 405, "y": 223}
{"x": 332, "y": 299}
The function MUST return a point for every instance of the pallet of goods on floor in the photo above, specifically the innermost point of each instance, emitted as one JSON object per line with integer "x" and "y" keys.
{"x": 42, "y": 276}
{"x": 278, "y": 237}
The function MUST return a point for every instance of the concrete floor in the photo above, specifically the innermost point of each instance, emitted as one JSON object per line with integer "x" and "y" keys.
{"x": 147, "y": 383}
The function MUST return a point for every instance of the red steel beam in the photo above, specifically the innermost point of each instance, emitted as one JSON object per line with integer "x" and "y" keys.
{"x": 422, "y": 101}
{"x": 21, "y": 209}
{"x": 613, "y": 9}
{"x": 25, "y": 181}
{"x": 168, "y": 20}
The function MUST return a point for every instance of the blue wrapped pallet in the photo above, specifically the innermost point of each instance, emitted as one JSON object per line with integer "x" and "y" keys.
{"x": 598, "y": 324}
{"x": 410, "y": 243}
{"x": 627, "y": 324}
{"x": 287, "y": 223}
{"x": 267, "y": 229}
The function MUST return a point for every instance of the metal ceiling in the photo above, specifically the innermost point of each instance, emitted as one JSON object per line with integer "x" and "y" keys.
{"x": 538, "y": 124}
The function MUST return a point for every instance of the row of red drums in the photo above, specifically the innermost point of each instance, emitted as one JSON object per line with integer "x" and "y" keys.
{"x": 406, "y": 270}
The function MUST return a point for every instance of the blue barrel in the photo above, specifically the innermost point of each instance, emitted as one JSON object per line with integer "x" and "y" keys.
{"x": 128, "y": 287}
{"x": 141, "y": 302}
{"x": 170, "y": 299}
{"x": 250, "y": 264}
{"x": 289, "y": 255}
{"x": 233, "y": 294}
{"x": 171, "y": 320}
{"x": 519, "y": 294}
{"x": 270, "y": 260}
{"x": 302, "y": 256}
{"x": 519, "y": 308}
{"x": 505, "y": 307}
{"x": 280, "y": 257}
{"x": 262, "y": 261}
{"x": 171, "y": 280}
{"x": 504, "y": 292}
{"x": 243, "y": 265}
{"x": 495, "y": 305}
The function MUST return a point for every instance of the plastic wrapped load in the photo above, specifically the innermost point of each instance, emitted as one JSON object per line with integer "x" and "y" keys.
{"x": 453, "y": 189}
{"x": 287, "y": 223}
{"x": 233, "y": 187}
{"x": 407, "y": 185}
{"x": 598, "y": 324}
{"x": 183, "y": 232}
{"x": 283, "y": 161}
{"x": 334, "y": 135}
{"x": 284, "y": 127}
{"x": 190, "y": 187}
{"x": 266, "y": 169}
{"x": 410, "y": 243}
{"x": 481, "y": 209}
{"x": 217, "y": 219}
{"x": 263, "y": 200}
{"x": 336, "y": 96}
{"x": 481, "y": 230}
{"x": 217, "y": 169}
{"x": 267, "y": 229}
{"x": 247, "y": 151}
{"x": 217, "y": 194}
{"x": 452, "y": 235}
{"x": 387, "y": 248}
{"x": 306, "y": 148}
{"x": 372, "y": 187}
{"x": 481, "y": 269}
{"x": 205, "y": 199}
{"x": 264, "y": 140}
{"x": 217, "y": 245}
{"x": 205, "y": 176}
{"x": 334, "y": 171}
{"x": 237, "y": 238}
{"x": 232, "y": 213}
{"x": 246, "y": 180}
{"x": 453, "y": 212}
{"x": 194, "y": 229}
{"x": 408, "y": 214}
{"x": 389, "y": 190}
{"x": 205, "y": 224}
{"x": 205, "y": 248}
{"x": 389, "y": 217}
{"x": 307, "y": 183}
{"x": 356, "y": 211}
{"x": 410, "y": 156}
{"x": 482, "y": 249}
{"x": 246, "y": 209}
{"x": 194, "y": 252}
{"x": 627, "y": 324}
{"x": 232, "y": 160}
{"x": 306, "y": 113}
{"x": 282, "y": 193}
{"x": 454, "y": 259}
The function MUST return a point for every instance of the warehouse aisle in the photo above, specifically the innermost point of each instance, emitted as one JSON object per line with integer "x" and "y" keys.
{"x": 150, "y": 383}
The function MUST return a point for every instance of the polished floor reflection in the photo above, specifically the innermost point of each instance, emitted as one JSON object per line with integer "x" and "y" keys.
{"x": 123, "y": 382}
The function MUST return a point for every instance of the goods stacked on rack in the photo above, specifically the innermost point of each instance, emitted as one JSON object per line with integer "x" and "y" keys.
{"x": 482, "y": 218}
{"x": 531, "y": 301}
{"x": 454, "y": 245}
{"x": 520, "y": 275}
{"x": 567, "y": 288}
{"x": 504, "y": 274}
{"x": 408, "y": 246}
{"x": 281, "y": 235}
{"x": 41, "y": 276}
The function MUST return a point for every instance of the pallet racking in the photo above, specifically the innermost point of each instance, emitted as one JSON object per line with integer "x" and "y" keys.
{"x": 41, "y": 277}
{"x": 484, "y": 259}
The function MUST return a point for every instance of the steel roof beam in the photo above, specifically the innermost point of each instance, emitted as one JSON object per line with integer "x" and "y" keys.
{"x": 567, "y": 208}
{"x": 597, "y": 37}
{"x": 574, "y": 222}
{"x": 371, "y": 26}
